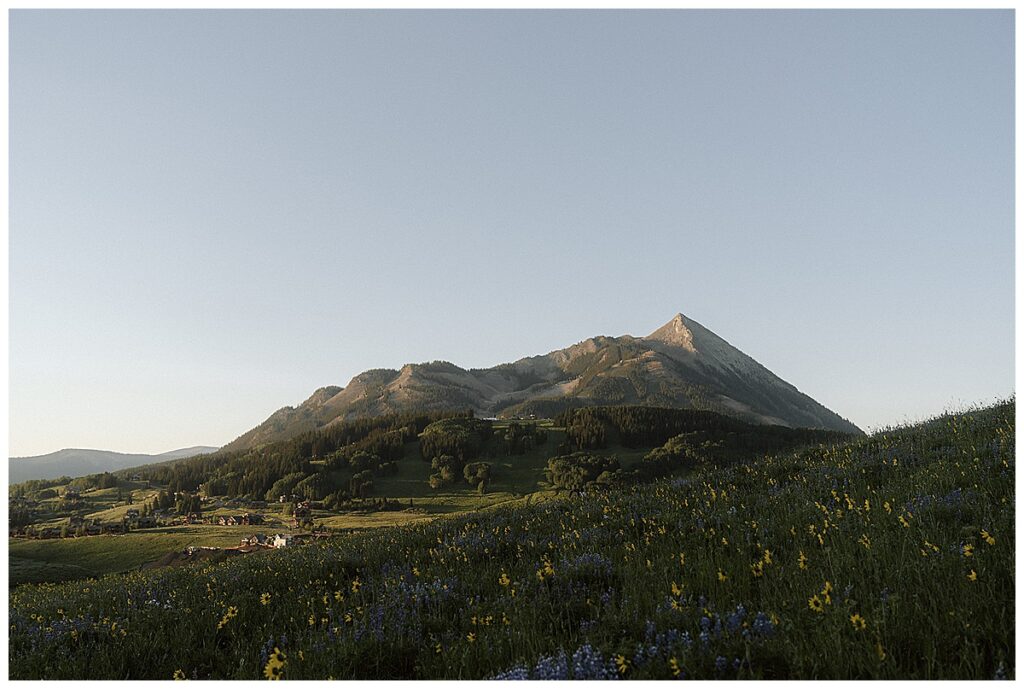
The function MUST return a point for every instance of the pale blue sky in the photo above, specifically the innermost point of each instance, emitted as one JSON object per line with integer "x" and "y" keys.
{"x": 215, "y": 213}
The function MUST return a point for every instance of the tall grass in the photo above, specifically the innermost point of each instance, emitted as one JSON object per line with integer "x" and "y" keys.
{"x": 885, "y": 557}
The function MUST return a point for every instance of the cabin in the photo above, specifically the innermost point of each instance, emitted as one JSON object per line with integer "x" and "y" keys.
{"x": 251, "y": 519}
{"x": 229, "y": 520}
{"x": 282, "y": 540}
{"x": 256, "y": 539}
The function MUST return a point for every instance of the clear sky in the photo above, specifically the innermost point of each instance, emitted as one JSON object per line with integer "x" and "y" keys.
{"x": 214, "y": 213}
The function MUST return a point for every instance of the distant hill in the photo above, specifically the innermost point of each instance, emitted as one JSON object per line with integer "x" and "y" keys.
{"x": 79, "y": 462}
{"x": 681, "y": 364}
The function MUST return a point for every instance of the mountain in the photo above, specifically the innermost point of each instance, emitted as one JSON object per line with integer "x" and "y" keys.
{"x": 77, "y": 462}
{"x": 681, "y": 364}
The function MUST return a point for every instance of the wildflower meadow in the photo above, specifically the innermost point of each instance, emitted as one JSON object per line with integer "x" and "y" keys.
{"x": 890, "y": 556}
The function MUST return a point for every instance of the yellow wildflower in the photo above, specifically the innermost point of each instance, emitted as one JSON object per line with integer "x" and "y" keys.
{"x": 814, "y": 603}
{"x": 622, "y": 663}
{"x": 228, "y": 615}
{"x": 275, "y": 664}
{"x": 858, "y": 622}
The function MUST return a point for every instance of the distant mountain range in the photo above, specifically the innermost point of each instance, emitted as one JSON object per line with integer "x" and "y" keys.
{"x": 77, "y": 462}
{"x": 681, "y": 364}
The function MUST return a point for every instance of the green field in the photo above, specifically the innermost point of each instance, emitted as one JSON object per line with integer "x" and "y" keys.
{"x": 68, "y": 558}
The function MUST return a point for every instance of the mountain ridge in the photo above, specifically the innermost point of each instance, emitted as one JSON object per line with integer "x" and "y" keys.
{"x": 681, "y": 364}
{"x": 76, "y": 461}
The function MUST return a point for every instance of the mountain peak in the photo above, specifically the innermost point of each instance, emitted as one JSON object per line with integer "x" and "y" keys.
{"x": 677, "y": 332}
{"x": 681, "y": 364}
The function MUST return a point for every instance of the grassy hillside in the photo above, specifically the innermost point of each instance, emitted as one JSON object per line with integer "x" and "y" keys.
{"x": 883, "y": 557}
{"x": 100, "y": 501}
{"x": 75, "y": 558}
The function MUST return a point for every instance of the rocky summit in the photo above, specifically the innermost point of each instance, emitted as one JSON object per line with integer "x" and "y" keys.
{"x": 682, "y": 364}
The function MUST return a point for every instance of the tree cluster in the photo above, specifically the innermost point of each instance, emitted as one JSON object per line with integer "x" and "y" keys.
{"x": 446, "y": 470}
{"x": 461, "y": 437}
{"x": 520, "y": 438}
{"x": 478, "y": 475}
{"x": 581, "y": 470}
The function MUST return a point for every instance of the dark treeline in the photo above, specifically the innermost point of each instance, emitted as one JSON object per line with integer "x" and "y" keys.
{"x": 592, "y": 428}
{"x": 36, "y": 485}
